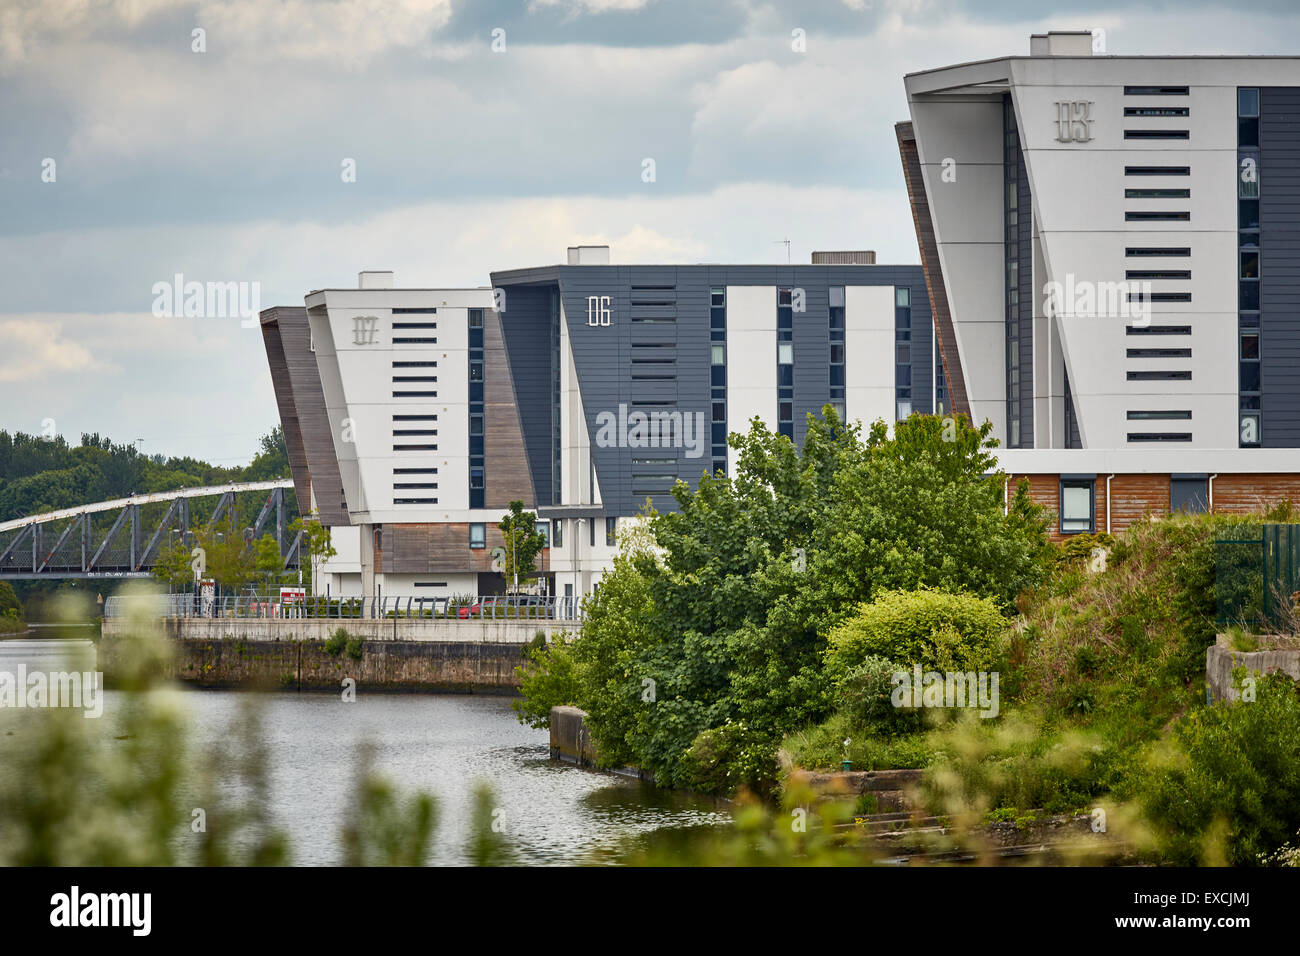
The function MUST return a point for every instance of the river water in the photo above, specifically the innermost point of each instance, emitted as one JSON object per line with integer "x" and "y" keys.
{"x": 550, "y": 813}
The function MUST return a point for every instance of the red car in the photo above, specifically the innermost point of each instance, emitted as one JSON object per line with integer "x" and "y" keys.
{"x": 474, "y": 609}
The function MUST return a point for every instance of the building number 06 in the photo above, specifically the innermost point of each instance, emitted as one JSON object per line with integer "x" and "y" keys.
{"x": 598, "y": 309}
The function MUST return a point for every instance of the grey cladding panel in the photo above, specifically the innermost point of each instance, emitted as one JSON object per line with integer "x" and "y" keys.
{"x": 1279, "y": 266}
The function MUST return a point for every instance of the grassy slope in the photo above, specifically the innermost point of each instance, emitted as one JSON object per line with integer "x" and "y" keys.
{"x": 1108, "y": 658}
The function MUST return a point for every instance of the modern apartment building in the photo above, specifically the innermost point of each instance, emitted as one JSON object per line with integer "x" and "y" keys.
{"x": 414, "y": 416}
{"x": 1112, "y": 251}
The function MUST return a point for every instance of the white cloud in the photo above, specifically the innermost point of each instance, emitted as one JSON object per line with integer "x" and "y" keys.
{"x": 36, "y": 349}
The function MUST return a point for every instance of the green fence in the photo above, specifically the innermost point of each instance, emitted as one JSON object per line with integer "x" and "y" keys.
{"x": 1256, "y": 579}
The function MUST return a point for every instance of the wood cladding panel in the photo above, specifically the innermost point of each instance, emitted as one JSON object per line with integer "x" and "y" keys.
{"x": 506, "y": 474}
{"x": 929, "y": 249}
{"x": 1239, "y": 494}
{"x": 1135, "y": 498}
{"x": 425, "y": 548}
{"x": 1132, "y": 499}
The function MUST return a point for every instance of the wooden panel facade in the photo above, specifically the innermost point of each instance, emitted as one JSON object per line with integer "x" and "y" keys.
{"x": 506, "y": 475}
{"x": 423, "y": 548}
{"x": 1238, "y": 494}
{"x": 1136, "y": 498}
{"x": 929, "y": 249}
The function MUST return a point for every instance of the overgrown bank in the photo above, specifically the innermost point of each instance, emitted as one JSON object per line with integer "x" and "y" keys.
{"x": 774, "y": 610}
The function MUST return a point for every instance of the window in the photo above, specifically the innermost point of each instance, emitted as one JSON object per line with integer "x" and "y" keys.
{"x": 1159, "y": 436}
{"x": 544, "y": 529}
{"x": 1077, "y": 512}
{"x": 611, "y": 529}
{"x": 1155, "y": 134}
{"x": 1154, "y": 216}
{"x": 785, "y": 353}
{"x": 1148, "y": 251}
{"x": 904, "y": 409}
{"x": 415, "y": 312}
{"x": 476, "y": 371}
{"x": 836, "y": 296}
{"x": 1157, "y": 194}
{"x": 1160, "y": 297}
{"x": 719, "y": 411}
{"x": 903, "y": 297}
{"x": 1189, "y": 493}
{"x": 478, "y": 535}
{"x": 1158, "y": 414}
{"x": 784, "y": 297}
{"x": 476, "y": 477}
{"x": 1159, "y": 376}
{"x": 557, "y": 530}
{"x": 1158, "y": 330}
{"x": 1134, "y": 274}
{"x": 476, "y": 424}
{"x": 1155, "y": 91}
{"x": 1155, "y": 111}
{"x": 718, "y": 354}
{"x": 475, "y": 318}
{"x": 717, "y": 297}
{"x": 1247, "y": 117}
{"x": 1250, "y": 345}
{"x": 1159, "y": 353}
{"x": 1157, "y": 170}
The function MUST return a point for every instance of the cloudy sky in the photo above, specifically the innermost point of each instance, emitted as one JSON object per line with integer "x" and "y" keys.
{"x": 484, "y": 134}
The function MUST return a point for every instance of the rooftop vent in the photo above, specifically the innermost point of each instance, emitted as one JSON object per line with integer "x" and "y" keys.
{"x": 1061, "y": 43}
{"x": 860, "y": 257}
{"x": 588, "y": 255}
{"x": 374, "y": 280}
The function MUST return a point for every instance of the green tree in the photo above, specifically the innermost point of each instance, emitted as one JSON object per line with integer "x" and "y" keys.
{"x": 173, "y": 565}
{"x": 723, "y": 626}
{"x": 10, "y": 606}
{"x": 268, "y": 563}
{"x": 228, "y": 557}
{"x": 315, "y": 548}
{"x": 523, "y": 542}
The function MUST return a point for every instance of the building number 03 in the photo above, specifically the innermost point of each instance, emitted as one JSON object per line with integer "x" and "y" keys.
{"x": 598, "y": 310}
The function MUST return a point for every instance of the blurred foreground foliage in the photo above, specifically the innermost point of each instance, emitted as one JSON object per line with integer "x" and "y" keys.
{"x": 74, "y": 793}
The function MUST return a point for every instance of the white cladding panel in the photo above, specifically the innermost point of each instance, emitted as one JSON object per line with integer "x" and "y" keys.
{"x": 364, "y": 401}
{"x": 869, "y": 353}
{"x": 1080, "y": 207}
{"x": 751, "y": 359}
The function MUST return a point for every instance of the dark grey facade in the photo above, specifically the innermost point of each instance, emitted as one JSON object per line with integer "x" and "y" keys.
{"x": 1279, "y": 265}
{"x": 656, "y": 355}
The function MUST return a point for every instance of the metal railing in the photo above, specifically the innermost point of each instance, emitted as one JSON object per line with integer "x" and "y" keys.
{"x": 488, "y": 607}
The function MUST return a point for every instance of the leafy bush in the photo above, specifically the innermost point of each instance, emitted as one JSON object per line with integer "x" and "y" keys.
{"x": 1231, "y": 788}
{"x": 935, "y": 629}
{"x": 865, "y": 695}
{"x": 335, "y": 643}
{"x": 10, "y": 606}
{"x": 547, "y": 679}
{"x": 723, "y": 759}
{"x": 355, "y": 648}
